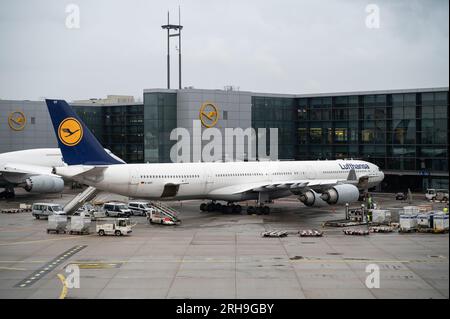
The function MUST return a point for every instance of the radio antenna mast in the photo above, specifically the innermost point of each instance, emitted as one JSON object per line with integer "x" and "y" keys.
{"x": 178, "y": 28}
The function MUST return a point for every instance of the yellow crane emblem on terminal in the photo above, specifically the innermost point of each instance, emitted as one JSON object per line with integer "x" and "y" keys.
{"x": 17, "y": 121}
{"x": 209, "y": 114}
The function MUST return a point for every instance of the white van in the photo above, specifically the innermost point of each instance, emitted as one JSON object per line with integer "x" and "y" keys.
{"x": 43, "y": 210}
{"x": 139, "y": 208}
{"x": 116, "y": 209}
{"x": 439, "y": 194}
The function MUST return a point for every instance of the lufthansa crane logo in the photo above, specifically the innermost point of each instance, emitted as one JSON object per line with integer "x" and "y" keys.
{"x": 209, "y": 114}
{"x": 17, "y": 121}
{"x": 70, "y": 131}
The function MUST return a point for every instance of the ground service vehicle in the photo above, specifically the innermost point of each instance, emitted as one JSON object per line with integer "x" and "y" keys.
{"x": 437, "y": 194}
{"x": 114, "y": 209}
{"x": 139, "y": 208}
{"x": 158, "y": 216}
{"x": 117, "y": 227}
{"x": 43, "y": 210}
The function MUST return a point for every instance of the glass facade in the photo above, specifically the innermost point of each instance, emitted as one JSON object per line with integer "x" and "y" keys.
{"x": 119, "y": 128}
{"x": 400, "y": 132}
{"x": 136, "y": 133}
{"x": 274, "y": 112}
{"x": 93, "y": 118}
{"x": 160, "y": 118}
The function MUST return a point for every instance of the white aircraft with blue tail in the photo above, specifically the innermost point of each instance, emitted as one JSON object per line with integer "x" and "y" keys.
{"x": 316, "y": 183}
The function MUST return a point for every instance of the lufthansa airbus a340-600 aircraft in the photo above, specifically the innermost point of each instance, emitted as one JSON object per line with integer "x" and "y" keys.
{"x": 316, "y": 183}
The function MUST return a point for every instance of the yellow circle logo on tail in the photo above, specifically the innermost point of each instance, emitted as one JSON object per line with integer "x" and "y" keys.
{"x": 70, "y": 131}
{"x": 209, "y": 114}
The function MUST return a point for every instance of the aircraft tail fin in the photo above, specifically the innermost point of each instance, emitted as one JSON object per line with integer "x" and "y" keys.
{"x": 77, "y": 143}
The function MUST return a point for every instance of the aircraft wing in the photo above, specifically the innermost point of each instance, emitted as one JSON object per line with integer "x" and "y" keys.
{"x": 293, "y": 185}
{"x": 25, "y": 169}
{"x": 17, "y": 173}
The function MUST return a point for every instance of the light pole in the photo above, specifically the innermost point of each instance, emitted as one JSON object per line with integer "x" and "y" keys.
{"x": 175, "y": 27}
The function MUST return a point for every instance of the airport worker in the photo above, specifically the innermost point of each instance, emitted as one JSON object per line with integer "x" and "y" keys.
{"x": 369, "y": 202}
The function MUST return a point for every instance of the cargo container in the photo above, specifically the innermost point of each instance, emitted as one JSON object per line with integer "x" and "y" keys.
{"x": 408, "y": 222}
{"x": 79, "y": 225}
{"x": 381, "y": 216}
{"x": 57, "y": 223}
{"x": 440, "y": 222}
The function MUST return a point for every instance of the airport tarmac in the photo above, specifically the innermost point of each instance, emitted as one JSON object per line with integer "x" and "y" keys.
{"x": 212, "y": 255}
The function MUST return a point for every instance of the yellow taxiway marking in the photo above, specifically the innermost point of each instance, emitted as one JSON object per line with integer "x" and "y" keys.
{"x": 64, "y": 289}
{"x": 96, "y": 265}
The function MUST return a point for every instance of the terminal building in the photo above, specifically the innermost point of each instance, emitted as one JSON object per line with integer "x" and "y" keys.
{"x": 405, "y": 132}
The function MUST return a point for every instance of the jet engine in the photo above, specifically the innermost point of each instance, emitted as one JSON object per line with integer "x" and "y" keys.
{"x": 341, "y": 194}
{"x": 311, "y": 198}
{"x": 44, "y": 184}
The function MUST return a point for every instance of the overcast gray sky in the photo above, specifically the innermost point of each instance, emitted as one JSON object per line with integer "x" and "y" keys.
{"x": 278, "y": 46}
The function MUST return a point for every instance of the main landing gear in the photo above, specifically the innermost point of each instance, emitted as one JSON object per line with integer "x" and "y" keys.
{"x": 258, "y": 210}
{"x": 234, "y": 209}
{"x": 217, "y": 207}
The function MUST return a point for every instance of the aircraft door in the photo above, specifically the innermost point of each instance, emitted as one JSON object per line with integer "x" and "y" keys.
{"x": 209, "y": 180}
{"x": 134, "y": 179}
{"x": 310, "y": 172}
